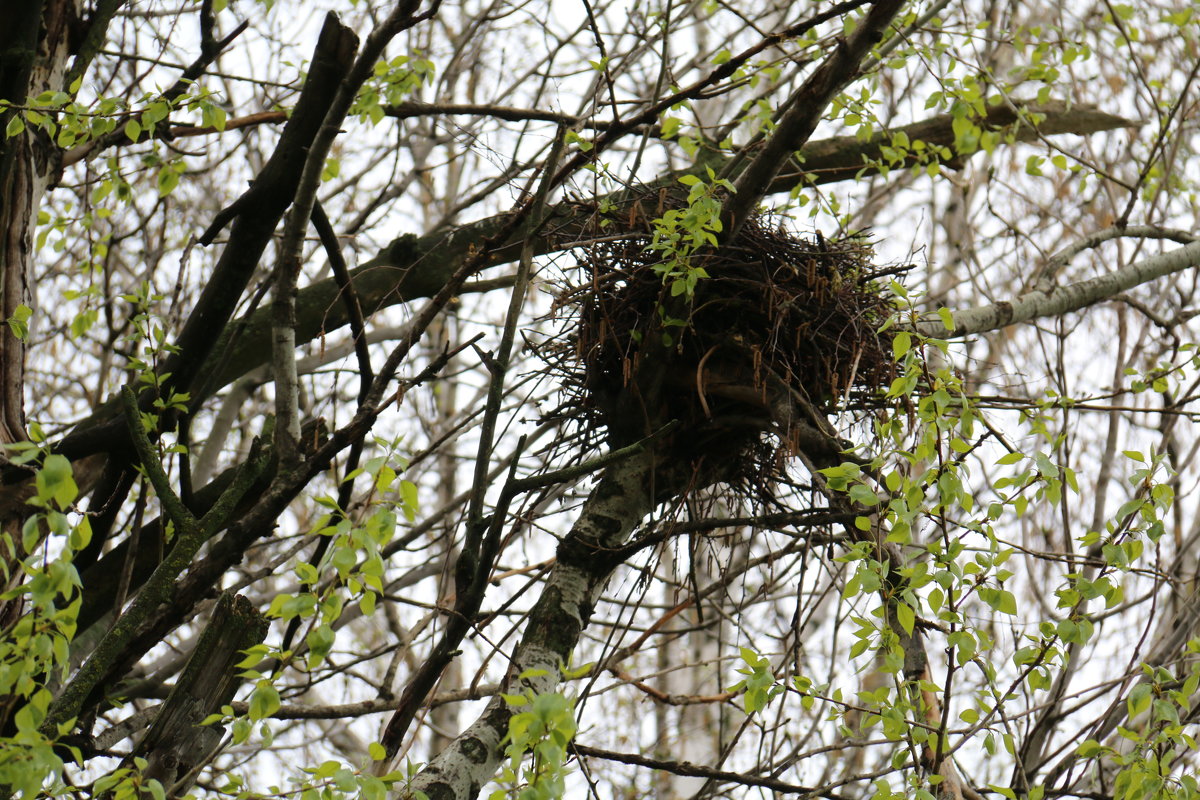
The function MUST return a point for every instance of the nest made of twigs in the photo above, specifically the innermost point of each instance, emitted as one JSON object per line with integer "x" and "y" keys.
{"x": 783, "y": 322}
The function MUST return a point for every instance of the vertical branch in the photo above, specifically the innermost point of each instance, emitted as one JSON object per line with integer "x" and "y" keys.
{"x": 498, "y": 364}
{"x": 287, "y": 271}
{"x": 283, "y": 340}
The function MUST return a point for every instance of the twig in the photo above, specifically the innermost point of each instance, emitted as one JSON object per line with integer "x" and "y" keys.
{"x": 208, "y": 54}
{"x": 349, "y": 296}
{"x": 688, "y": 769}
{"x": 806, "y": 109}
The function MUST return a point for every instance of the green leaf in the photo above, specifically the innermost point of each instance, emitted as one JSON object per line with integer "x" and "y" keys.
{"x": 320, "y": 641}
{"x": 906, "y": 616}
{"x": 408, "y": 496}
{"x": 264, "y": 700}
{"x": 366, "y": 604}
{"x": 1139, "y": 699}
{"x": 155, "y": 788}
{"x": 1007, "y": 603}
{"x": 343, "y": 560}
{"x": 168, "y": 179}
{"x": 863, "y": 495}
{"x": 19, "y": 321}
{"x": 306, "y": 573}
{"x": 55, "y": 481}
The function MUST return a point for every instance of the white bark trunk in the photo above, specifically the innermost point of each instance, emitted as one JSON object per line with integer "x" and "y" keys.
{"x": 611, "y": 513}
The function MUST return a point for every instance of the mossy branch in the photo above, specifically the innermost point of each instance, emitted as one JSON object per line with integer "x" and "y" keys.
{"x": 191, "y": 534}
{"x": 178, "y": 513}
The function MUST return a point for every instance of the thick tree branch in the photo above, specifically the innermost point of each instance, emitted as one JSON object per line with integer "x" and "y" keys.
{"x": 259, "y": 210}
{"x": 93, "y": 39}
{"x": 581, "y": 571}
{"x": 844, "y": 158}
{"x": 805, "y": 109}
{"x": 287, "y": 270}
{"x": 413, "y": 267}
{"x": 1066, "y": 299}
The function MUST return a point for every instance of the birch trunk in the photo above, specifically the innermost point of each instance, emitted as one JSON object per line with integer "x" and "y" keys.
{"x": 587, "y": 557}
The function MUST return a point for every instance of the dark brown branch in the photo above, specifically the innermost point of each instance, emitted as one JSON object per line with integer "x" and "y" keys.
{"x": 805, "y": 109}
{"x": 688, "y": 769}
{"x": 354, "y": 313}
{"x": 177, "y": 744}
{"x": 412, "y": 267}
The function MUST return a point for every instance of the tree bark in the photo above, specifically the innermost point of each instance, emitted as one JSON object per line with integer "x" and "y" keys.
{"x": 584, "y": 564}
{"x": 1065, "y": 299}
{"x": 176, "y": 744}
{"x": 34, "y": 49}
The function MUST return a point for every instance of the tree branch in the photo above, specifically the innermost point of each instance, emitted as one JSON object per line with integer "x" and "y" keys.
{"x": 1066, "y": 299}
{"x": 413, "y": 267}
{"x": 805, "y": 109}
{"x": 689, "y": 769}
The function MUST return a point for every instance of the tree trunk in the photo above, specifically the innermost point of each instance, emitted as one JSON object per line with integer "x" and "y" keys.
{"x": 33, "y": 58}
{"x": 34, "y": 48}
{"x": 585, "y": 562}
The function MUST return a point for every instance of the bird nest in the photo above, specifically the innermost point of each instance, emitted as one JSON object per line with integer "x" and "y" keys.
{"x": 783, "y": 326}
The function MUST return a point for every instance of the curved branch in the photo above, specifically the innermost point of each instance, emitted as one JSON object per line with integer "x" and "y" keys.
{"x": 413, "y": 267}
